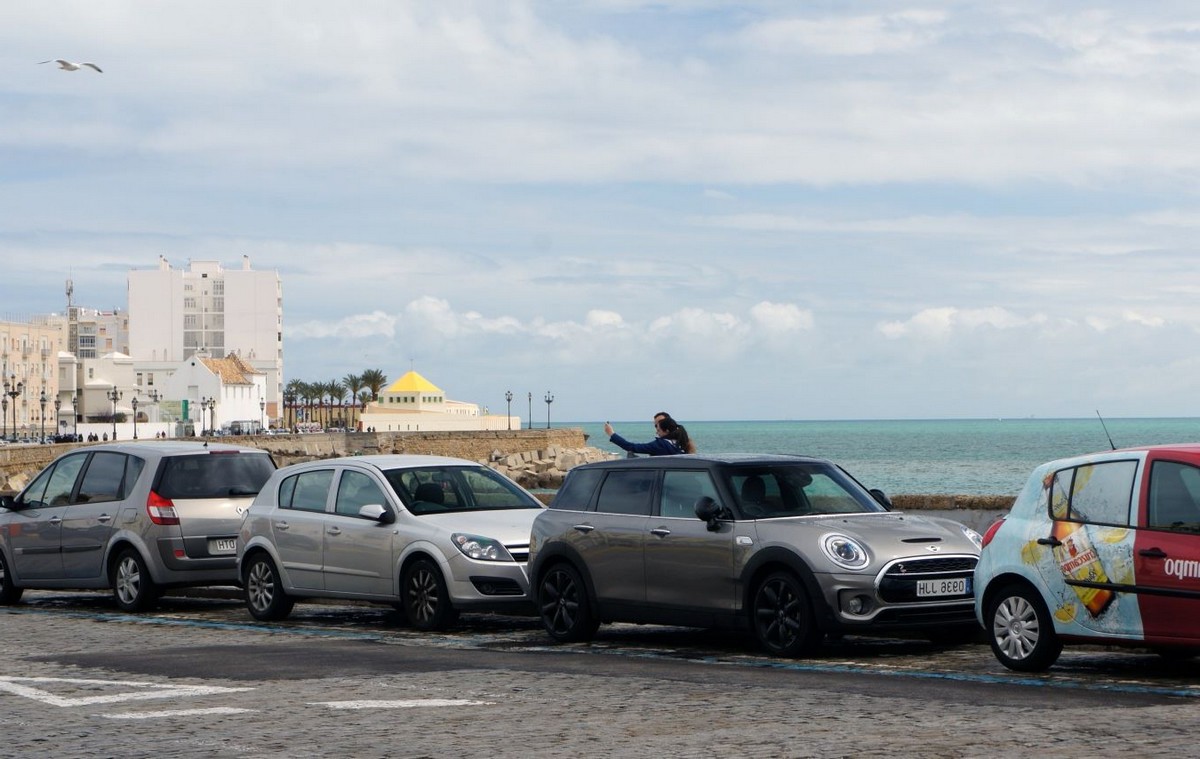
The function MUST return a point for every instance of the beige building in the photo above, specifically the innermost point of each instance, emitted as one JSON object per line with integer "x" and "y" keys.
{"x": 32, "y": 377}
{"x": 414, "y": 404}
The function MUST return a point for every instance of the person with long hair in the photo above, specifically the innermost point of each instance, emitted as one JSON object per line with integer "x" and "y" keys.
{"x": 670, "y": 439}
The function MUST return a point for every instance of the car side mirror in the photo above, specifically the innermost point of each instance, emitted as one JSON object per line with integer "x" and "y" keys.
{"x": 378, "y": 512}
{"x": 881, "y": 496}
{"x": 708, "y": 510}
{"x": 7, "y": 502}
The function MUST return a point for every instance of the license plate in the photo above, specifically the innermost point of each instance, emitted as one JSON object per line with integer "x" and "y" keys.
{"x": 957, "y": 586}
{"x": 222, "y": 545}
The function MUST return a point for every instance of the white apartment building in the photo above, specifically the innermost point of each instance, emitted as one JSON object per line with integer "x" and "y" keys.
{"x": 207, "y": 309}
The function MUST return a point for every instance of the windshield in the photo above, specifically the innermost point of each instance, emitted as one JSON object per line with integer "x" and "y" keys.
{"x": 436, "y": 490}
{"x": 214, "y": 475}
{"x": 800, "y": 489}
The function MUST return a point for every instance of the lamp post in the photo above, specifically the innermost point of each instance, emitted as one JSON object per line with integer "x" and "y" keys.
{"x": 75, "y": 415}
{"x": 114, "y": 395}
{"x": 57, "y": 422}
{"x": 262, "y": 414}
{"x": 549, "y": 399}
{"x": 531, "y": 410}
{"x": 211, "y": 405}
{"x": 4, "y": 416}
{"x": 13, "y": 390}
{"x": 508, "y": 399}
{"x": 42, "y": 415}
{"x": 134, "y": 402}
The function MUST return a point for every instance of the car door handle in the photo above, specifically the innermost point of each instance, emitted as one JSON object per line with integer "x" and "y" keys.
{"x": 661, "y": 532}
{"x": 56, "y": 521}
{"x": 1049, "y": 542}
{"x": 584, "y": 527}
{"x": 334, "y": 531}
{"x": 1153, "y": 553}
{"x": 281, "y": 525}
{"x": 104, "y": 519}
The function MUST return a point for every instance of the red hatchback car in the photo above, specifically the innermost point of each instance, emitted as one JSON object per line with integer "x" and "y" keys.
{"x": 1102, "y": 548}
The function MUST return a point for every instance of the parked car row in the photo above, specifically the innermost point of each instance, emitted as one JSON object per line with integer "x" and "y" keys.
{"x": 791, "y": 549}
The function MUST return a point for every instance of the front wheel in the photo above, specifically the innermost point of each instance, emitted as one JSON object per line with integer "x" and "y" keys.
{"x": 9, "y": 593}
{"x": 425, "y": 598}
{"x": 1021, "y": 631}
{"x": 564, "y": 607}
{"x": 265, "y": 598}
{"x": 782, "y": 617}
{"x": 133, "y": 588}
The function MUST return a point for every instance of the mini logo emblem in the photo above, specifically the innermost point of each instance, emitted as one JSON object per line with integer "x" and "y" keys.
{"x": 935, "y": 549}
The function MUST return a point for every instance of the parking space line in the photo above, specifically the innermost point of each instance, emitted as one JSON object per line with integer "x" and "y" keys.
{"x": 27, "y": 687}
{"x": 400, "y": 704}
{"x": 178, "y": 713}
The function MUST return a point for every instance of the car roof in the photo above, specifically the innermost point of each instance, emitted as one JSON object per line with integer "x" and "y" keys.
{"x": 699, "y": 460}
{"x": 386, "y": 461}
{"x": 169, "y": 447}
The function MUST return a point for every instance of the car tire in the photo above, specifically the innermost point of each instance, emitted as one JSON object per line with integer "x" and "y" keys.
{"x": 782, "y": 618}
{"x": 9, "y": 593}
{"x": 133, "y": 588}
{"x": 564, "y": 607}
{"x": 1020, "y": 629}
{"x": 263, "y": 590}
{"x": 425, "y": 597}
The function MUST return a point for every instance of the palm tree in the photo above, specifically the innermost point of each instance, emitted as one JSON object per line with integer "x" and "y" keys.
{"x": 337, "y": 394}
{"x": 310, "y": 392}
{"x": 291, "y": 396}
{"x": 354, "y": 385}
{"x": 375, "y": 381}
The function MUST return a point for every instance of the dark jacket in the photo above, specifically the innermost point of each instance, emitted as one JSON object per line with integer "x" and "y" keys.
{"x": 660, "y": 446}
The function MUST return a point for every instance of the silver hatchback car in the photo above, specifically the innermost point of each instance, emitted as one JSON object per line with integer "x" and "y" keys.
{"x": 791, "y": 548}
{"x": 136, "y": 517}
{"x": 430, "y": 535}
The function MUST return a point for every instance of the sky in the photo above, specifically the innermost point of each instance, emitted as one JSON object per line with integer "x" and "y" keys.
{"x": 751, "y": 210}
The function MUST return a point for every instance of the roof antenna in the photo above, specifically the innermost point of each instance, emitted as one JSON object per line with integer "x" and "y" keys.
{"x": 1105, "y": 426}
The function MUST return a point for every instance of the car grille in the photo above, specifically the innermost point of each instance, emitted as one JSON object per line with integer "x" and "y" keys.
{"x": 898, "y": 583}
{"x": 519, "y": 552}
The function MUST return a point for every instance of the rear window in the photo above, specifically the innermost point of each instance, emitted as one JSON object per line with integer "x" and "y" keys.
{"x": 214, "y": 475}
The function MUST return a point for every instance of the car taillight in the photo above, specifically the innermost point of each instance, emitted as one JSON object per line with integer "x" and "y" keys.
{"x": 161, "y": 510}
{"x": 991, "y": 531}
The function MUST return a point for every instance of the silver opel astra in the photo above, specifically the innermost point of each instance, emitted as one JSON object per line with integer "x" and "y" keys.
{"x": 431, "y": 535}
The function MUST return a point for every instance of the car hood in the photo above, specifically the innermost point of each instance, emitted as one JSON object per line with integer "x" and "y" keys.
{"x": 886, "y": 536}
{"x": 509, "y": 526}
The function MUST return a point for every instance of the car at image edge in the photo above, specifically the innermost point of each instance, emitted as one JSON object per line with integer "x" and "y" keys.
{"x": 430, "y": 535}
{"x": 1102, "y": 548}
{"x": 136, "y": 517}
{"x": 791, "y": 548}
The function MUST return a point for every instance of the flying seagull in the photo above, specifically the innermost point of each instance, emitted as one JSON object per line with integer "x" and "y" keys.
{"x": 69, "y": 66}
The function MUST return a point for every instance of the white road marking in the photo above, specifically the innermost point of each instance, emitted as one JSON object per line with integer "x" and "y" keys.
{"x": 178, "y": 713}
{"x": 400, "y": 704}
{"x": 24, "y": 686}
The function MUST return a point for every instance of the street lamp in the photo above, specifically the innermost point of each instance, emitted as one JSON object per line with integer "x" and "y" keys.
{"x": 75, "y": 415}
{"x": 13, "y": 389}
{"x": 114, "y": 395}
{"x": 211, "y": 405}
{"x": 57, "y": 423}
{"x": 42, "y": 415}
{"x": 531, "y": 410}
{"x": 508, "y": 399}
{"x": 262, "y": 414}
{"x": 134, "y": 402}
{"x": 4, "y": 415}
{"x": 549, "y": 399}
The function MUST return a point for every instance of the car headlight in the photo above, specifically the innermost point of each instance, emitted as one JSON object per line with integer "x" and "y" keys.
{"x": 845, "y": 552}
{"x": 973, "y": 536}
{"x": 480, "y": 548}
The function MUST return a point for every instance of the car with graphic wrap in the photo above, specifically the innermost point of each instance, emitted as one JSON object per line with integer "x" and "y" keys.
{"x": 1102, "y": 548}
{"x": 790, "y": 548}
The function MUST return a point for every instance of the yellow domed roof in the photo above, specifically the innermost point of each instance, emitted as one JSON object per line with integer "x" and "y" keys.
{"x": 412, "y": 383}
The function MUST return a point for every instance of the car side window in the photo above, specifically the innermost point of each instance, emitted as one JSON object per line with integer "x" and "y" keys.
{"x": 681, "y": 490}
{"x": 133, "y": 470}
{"x": 62, "y": 481}
{"x": 1098, "y": 493}
{"x": 576, "y": 491}
{"x": 356, "y": 490}
{"x": 1174, "y": 497}
{"x": 627, "y": 492}
{"x": 310, "y": 491}
{"x": 103, "y": 479}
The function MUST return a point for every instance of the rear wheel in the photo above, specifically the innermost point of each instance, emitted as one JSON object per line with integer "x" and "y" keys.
{"x": 265, "y": 598}
{"x": 782, "y": 617}
{"x": 9, "y": 593}
{"x": 133, "y": 589}
{"x": 1021, "y": 631}
{"x": 564, "y": 607}
{"x": 426, "y": 600}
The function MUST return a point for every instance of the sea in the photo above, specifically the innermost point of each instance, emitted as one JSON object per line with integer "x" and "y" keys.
{"x": 922, "y": 456}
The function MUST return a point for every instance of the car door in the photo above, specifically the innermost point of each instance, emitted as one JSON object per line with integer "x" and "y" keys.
{"x": 35, "y": 529}
{"x": 1167, "y": 552}
{"x": 688, "y": 566}
{"x": 359, "y": 554}
{"x": 611, "y": 537}
{"x": 88, "y": 521}
{"x": 298, "y": 527}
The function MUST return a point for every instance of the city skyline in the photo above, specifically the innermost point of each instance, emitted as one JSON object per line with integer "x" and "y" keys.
{"x": 755, "y": 210}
